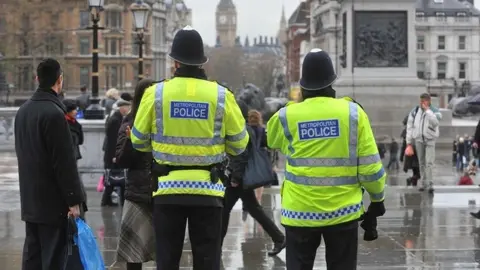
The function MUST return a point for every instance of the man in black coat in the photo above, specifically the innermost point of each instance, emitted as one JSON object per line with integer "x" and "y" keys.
{"x": 50, "y": 188}
{"x": 111, "y": 134}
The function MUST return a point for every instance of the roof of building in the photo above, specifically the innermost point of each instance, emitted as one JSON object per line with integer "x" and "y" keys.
{"x": 263, "y": 49}
{"x": 226, "y": 4}
{"x": 260, "y": 45}
{"x": 299, "y": 15}
{"x": 449, "y": 7}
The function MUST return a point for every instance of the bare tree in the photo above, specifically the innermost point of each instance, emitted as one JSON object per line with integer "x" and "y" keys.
{"x": 225, "y": 66}
{"x": 34, "y": 31}
{"x": 260, "y": 70}
{"x": 234, "y": 67}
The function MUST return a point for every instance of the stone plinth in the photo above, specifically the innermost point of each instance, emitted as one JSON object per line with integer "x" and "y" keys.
{"x": 91, "y": 164}
{"x": 378, "y": 48}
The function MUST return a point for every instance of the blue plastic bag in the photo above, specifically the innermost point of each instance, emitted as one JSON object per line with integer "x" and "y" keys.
{"x": 87, "y": 246}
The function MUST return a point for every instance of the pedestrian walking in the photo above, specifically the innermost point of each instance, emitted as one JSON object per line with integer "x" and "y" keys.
{"x": 393, "y": 155}
{"x": 331, "y": 157}
{"x": 249, "y": 199}
{"x": 50, "y": 188}
{"x": 76, "y": 131}
{"x": 111, "y": 167}
{"x": 136, "y": 244}
{"x": 83, "y": 101}
{"x": 194, "y": 123}
{"x": 423, "y": 131}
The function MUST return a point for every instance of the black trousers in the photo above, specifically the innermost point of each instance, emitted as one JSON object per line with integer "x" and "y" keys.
{"x": 107, "y": 195}
{"x": 341, "y": 248}
{"x": 45, "y": 246}
{"x": 251, "y": 205}
{"x": 204, "y": 224}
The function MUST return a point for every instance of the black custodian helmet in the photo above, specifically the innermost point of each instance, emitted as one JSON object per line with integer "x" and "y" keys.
{"x": 187, "y": 47}
{"x": 317, "y": 71}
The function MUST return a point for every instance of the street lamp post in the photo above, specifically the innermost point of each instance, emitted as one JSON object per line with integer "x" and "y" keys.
{"x": 95, "y": 111}
{"x": 140, "y": 12}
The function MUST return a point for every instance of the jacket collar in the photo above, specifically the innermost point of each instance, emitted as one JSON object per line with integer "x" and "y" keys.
{"x": 190, "y": 72}
{"x": 48, "y": 95}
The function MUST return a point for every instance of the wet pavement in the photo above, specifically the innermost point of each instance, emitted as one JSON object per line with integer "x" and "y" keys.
{"x": 417, "y": 232}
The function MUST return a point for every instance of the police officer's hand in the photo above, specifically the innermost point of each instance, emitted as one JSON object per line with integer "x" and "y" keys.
{"x": 475, "y": 145}
{"x": 376, "y": 209}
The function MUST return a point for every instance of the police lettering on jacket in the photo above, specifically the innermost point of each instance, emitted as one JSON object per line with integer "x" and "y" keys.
{"x": 318, "y": 129}
{"x": 189, "y": 110}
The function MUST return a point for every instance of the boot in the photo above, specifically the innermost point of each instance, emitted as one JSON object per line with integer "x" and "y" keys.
{"x": 409, "y": 181}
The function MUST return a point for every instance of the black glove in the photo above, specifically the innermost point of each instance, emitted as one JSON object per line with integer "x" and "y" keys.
{"x": 376, "y": 209}
{"x": 369, "y": 224}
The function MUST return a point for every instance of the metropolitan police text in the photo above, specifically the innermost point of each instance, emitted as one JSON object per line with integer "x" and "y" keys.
{"x": 318, "y": 129}
{"x": 189, "y": 110}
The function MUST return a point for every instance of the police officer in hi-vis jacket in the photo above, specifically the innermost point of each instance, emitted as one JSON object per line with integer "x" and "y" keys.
{"x": 189, "y": 124}
{"x": 331, "y": 155}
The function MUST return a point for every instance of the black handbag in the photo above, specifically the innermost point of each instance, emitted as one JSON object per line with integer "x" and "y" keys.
{"x": 259, "y": 171}
{"x": 115, "y": 177}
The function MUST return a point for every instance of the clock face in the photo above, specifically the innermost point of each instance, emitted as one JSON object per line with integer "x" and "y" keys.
{"x": 222, "y": 19}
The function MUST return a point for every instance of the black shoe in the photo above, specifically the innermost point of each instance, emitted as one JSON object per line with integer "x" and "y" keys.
{"x": 409, "y": 181}
{"x": 277, "y": 248}
{"x": 111, "y": 204}
{"x": 475, "y": 215}
{"x": 431, "y": 190}
{"x": 422, "y": 189}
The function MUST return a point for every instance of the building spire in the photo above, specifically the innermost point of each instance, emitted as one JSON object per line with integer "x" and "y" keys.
{"x": 282, "y": 31}
{"x": 283, "y": 20}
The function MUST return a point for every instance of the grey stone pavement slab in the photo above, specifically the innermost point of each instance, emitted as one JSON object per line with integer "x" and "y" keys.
{"x": 417, "y": 232}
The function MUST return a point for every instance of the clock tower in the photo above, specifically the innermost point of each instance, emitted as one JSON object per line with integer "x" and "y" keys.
{"x": 226, "y": 21}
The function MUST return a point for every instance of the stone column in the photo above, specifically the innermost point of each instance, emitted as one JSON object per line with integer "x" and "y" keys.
{"x": 378, "y": 49}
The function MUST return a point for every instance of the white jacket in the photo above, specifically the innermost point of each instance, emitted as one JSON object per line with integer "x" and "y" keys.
{"x": 423, "y": 126}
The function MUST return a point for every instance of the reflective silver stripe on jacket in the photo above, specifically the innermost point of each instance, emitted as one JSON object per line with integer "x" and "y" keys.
{"x": 217, "y": 129}
{"x": 189, "y": 160}
{"x": 352, "y": 160}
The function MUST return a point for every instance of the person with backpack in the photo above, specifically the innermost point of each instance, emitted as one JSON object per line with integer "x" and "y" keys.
{"x": 422, "y": 132}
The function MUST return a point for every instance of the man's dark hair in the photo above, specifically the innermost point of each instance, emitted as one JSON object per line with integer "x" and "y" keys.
{"x": 425, "y": 96}
{"x": 137, "y": 96}
{"x": 83, "y": 88}
{"x": 48, "y": 72}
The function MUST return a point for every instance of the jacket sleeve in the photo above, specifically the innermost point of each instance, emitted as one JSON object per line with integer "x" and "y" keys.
{"x": 275, "y": 135}
{"x": 236, "y": 136}
{"x": 263, "y": 138}
{"x": 142, "y": 127}
{"x": 81, "y": 135}
{"x": 238, "y": 163}
{"x": 371, "y": 173}
{"x": 410, "y": 123}
{"x": 124, "y": 148}
{"x": 433, "y": 117}
{"x": 476, "y": 137}
{"x": 62, "y": 158}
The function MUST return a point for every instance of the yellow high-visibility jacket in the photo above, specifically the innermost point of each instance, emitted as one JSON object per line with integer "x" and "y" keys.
{"x": 331, "y": 153}
{"x": 188, "y": 121}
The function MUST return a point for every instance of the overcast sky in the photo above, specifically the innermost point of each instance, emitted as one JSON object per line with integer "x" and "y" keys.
{"x": 255, "y": 17}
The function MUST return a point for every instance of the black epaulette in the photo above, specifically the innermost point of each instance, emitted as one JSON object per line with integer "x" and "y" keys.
{"x": 224, "y": 87}
{"x": 164, "y": 80}
{"x": 353, "y": 100}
